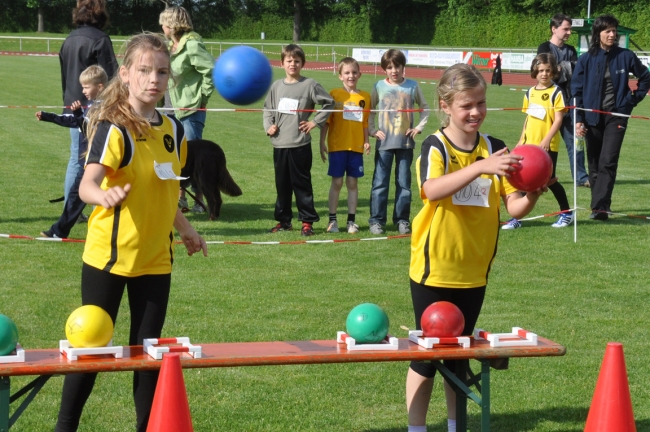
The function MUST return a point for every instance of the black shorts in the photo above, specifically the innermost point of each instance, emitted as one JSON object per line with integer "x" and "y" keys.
{"x": 468, "y": 300}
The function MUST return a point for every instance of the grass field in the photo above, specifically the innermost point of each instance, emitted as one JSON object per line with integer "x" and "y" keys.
{"x": 581, "y": 295}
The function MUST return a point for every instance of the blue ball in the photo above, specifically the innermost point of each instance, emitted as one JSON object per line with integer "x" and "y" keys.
{"x": 242, "y": 75}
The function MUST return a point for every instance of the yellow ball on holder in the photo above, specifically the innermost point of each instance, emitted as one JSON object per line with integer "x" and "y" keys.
{"x": 89, "y": 327}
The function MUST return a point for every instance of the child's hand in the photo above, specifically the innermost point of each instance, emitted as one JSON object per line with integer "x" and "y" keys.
{"x": 411, "y": 133}
{"x": 323, "y": 152}
{"x": 38, "y": 115}
{"x": 581, "y": 130}
{"x": 272, "y": 130}
{"x": 306, "y": 126}
{"x": 75, "y": 105}
{"x": 380, "y": 135}
{"x": 366, "y": 148}
{"x": 193, "y": 242}
{"x": 500, "y": 163}
{"x": 545, "y": 145}
{"x": 114, "y": 196}
{"x": 543, "y": 189}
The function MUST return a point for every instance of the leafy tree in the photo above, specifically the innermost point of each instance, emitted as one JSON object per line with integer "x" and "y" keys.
{"x": 42, "y": 5}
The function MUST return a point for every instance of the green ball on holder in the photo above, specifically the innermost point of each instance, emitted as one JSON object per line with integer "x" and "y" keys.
{"x": 367, "y": 323}
{"x": 8, "y": 335}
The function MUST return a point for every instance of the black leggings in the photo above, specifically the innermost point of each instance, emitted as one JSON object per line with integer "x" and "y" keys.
{"x": 558, "y": 190}
{"x": 148, "y": 297}
{"x": 468, "y": 300}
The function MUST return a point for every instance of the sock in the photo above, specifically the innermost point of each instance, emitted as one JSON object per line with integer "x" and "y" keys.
{"x": 451, "y": 425}
{"x": 417, "y": 428}
{"x": 351, "y": 217}
{"x": 332, "y": 217}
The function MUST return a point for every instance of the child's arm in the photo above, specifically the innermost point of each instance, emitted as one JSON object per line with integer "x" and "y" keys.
{"x": 191, "y": 239}
{"x": 522, "y": 138}
{"x": 424, "y": 115}
{"x": 323, "y": 142}
{"x": 65, "y": 120}
{"x": 91, "y": 192}
{"x": 557, "y": 123}
{"x": 366, "y": 141}
{"x": 372, "y": 118}
{"x": 269, "y": 114}
{"x": 319, "y": 97}
{"x": 519, "y": 205}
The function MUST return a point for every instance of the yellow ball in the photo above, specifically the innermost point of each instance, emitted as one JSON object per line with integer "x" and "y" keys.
{"x": 89, "y": 327}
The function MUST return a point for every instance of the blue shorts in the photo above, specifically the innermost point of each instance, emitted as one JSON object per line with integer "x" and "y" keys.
{"x": 342, "y": 162}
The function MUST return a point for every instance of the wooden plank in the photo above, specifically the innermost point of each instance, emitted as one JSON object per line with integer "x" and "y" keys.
{"x": 50, "y": 361}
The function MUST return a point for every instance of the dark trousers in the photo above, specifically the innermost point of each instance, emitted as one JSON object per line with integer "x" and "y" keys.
{"x": 71, "y": 209}
{"x": 293, "y": 177}
{"x": 604, "y": 143}
{"x": 148, "y": 297}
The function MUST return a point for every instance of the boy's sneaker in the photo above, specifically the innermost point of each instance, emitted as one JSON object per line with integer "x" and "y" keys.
{"x": 82, "y": 218}
{"x": 376, "y": 229}
{"x": 282, "y": 226}
{"x": 49, "y": 234}
{"x": 404, "y": 228}
{"x": 563, "y": 220}
{"x": 197, "y": 208}
{"x": 333, "y": 227}
{"x": 183, "y": 205}
{"x": 307, "y": 229}
{"x": 511, "y": 224}
{"x": 352, "y": 228}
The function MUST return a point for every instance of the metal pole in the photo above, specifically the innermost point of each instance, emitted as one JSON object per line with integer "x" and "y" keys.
{"x": 588, "y": 8}
{"x": 575, "y": 174}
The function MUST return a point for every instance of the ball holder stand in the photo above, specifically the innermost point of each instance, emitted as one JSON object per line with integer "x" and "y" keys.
{"x": 151, "y": 347}
{"x": 518, "y": 337}
{"x": 73, "y": 354}
{"x": 389, "y": 343}
{"x": 18, "y": 356}
{"x": 416, "y": 336}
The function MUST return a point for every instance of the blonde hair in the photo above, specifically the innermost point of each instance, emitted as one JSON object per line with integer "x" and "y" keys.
{"x": 456, "y": 79}
{"x": 348, "y": 61}
{"x": 94, "y": 74}
{"x": 115, "y": 107}
{"x": 177, "y": 19}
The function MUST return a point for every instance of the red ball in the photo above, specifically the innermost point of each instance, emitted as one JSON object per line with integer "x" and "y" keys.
{"x": 442, "y": 319}
{"x": 535, "y": 170}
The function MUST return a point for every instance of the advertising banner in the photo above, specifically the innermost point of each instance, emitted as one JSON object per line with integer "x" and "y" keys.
{"x": 517, "y": 61}
{"x": 434, "y": 58}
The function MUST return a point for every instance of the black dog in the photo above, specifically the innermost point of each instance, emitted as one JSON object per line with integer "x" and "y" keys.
{"x": 206, "y": 169}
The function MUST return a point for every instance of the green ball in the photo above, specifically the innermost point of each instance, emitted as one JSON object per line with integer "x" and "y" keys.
{"x": 367, "y": 323}
{"x": 8, "y": 335}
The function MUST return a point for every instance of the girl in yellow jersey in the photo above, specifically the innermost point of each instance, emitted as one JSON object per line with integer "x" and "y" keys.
{"x": 462, "y": 173}
{"x": 135, "y": 156}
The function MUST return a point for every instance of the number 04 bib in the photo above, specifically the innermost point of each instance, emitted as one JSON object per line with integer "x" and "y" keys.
{"x": 474, "y": 194}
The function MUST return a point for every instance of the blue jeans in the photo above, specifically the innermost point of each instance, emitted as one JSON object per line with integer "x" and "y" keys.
{"x": 194, "y": 124}
{"x": 381, "y": 183}
{"x": 567, "y": 135}
{"x": 75, "y": 164}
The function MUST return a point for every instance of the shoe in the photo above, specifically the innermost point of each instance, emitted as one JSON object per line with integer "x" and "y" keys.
{"x": 511, "y": 224}
{"x": 182, "y": 204}
{"x": 282, "y": 226}
{"x": 563, "y": 220}
{"x": 403, "y": 227}
{"x": 600, "y": 215}
{"x": 585, "y": 184}
{"x": 307, "y": 229}
{"x": 197, "y": 208}
{"x": 49, "y": 234}
{"x": 352, "y": 228}
{"x": 376, "y": 229}
{"x": 333, "y": 227}
{"x": 82, "y": 218}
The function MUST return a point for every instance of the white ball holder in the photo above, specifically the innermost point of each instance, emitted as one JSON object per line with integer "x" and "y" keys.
{"x": 72, "y": 354}
{"x": 518, "y": 337}
{"x": 416, "y": 336}
{"x": 151, "y": 348}
{"x": 18, "y": 356}
{"x": 389, "y": 343}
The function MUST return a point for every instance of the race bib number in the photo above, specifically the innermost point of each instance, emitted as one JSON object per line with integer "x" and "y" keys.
{"x": 536, "y": 111}
{"x": 164, "y": 171}
{"x": 352, "y": 113}
{"x": 474, "y": 194}
{"x": 288, "y": 106}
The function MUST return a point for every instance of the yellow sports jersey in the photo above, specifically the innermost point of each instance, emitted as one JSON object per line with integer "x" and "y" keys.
{"x": 541, "y": 105}
{"x": 454, "y": 240}
{"x": 346, "y": 128}
{"x": 136, "y": 238}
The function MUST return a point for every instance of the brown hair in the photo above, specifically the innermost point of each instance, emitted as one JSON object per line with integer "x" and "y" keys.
{"x": 94, "y": 74}
{"x": 292, "y": 50}
{"x": 177, "y": 19}
{"x": 348, "y": 61}
{"x": 544, "y": 58}
{"x": 115, "y": 107}
{"x": 456, "y": 79}
{"x": 393, "y": 56}
{"x": 90, "y": 12}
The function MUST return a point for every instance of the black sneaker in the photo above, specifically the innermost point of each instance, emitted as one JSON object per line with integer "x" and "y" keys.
{"x": 49, "y": 234}
{"x": 600, "y": 215}
{"x": 307, "y": 229}
{"x": 282, "y": 226}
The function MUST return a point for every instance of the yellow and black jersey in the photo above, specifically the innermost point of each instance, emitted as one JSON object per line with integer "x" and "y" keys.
{"x": 346, "y": 127}
{"x": 541, "y": 106}
{"x": 454, "y": 240}
{"x": 136, "y": 237}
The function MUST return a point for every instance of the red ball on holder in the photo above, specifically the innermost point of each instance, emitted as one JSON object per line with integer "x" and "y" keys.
{"x": 535, "y": 170}
{"x": 442, "y": 319}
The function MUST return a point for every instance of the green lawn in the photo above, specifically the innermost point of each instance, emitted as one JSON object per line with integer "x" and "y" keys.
{"x": 581, "y": 295}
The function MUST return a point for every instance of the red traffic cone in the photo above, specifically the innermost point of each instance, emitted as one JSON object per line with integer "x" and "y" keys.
{"x": 611, "y": 407}
{"x": 170, "y": 411}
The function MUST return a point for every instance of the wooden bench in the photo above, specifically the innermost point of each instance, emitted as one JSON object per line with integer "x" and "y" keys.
{"x": 48, "y": 362}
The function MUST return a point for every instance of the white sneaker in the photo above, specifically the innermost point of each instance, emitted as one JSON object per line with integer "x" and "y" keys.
{"x": 333, "y": 227}
{"x": 376, "y": 229}
{"x": 564, "y": 220}
{"x": 352, "y": 228}
{"x": 403, "y": 227}
{"x": 197, "y": 208}
{"x": 511, "y": 224}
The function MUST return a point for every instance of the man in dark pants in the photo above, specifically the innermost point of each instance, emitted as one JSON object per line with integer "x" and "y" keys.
{"x": 566, "y": 57}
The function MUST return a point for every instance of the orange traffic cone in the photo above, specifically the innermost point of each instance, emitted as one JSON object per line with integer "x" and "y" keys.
{"x": 170, "y": 411}
{"x": 611, "y": 408}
